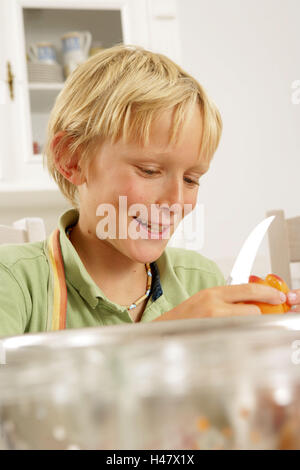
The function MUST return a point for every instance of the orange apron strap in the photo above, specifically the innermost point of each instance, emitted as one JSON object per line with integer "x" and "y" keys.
{"x": 57, "y": 289}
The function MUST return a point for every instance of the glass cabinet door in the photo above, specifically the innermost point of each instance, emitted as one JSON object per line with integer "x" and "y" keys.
{"x": 38, "y": 40}
{"x": 43, "y": 32}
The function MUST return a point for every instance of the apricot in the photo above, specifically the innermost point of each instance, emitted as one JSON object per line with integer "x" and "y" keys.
{"x": 274, "y": 281}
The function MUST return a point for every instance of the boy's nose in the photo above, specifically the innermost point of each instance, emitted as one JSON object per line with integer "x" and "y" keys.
{"x": 172, "y": 193}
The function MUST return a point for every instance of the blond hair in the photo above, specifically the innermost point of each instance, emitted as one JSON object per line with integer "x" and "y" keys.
{"x": 117, "y": 93}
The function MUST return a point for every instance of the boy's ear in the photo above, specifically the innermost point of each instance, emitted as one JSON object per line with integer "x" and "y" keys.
{"x": 66, "y": 165}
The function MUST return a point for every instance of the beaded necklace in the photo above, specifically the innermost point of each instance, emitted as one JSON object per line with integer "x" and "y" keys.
{"x": 149, "y": 278}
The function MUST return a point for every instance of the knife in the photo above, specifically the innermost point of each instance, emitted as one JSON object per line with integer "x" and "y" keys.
{"x": 243, "y": 264}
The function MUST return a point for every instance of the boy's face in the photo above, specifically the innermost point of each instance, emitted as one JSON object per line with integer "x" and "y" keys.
{"x": 119, "y": 170}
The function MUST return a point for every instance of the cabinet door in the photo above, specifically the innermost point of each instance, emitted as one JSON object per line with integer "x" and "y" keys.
{"x": 16, "y": 145}
{"x": 30, "y": 21}
{"x": 7, "y": 96}
{"x": 3, "y": 97}
{"x": 149, "y": 23}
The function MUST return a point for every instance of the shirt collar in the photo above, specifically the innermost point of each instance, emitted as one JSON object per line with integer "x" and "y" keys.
{"x": 77, "y": 274}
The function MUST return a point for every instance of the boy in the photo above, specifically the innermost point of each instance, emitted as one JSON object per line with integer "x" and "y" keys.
{"x": 128, "y": 124}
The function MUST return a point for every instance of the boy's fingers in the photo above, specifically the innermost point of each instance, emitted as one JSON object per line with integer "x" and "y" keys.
{"x": 294, "y": 309}
{"x": 253, "y": 292}
{"x": 240, "y": 310}
{"x": 294, "y": 297}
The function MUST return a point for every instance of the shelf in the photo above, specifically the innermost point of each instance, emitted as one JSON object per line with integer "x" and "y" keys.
{"x": 42, "y": 99}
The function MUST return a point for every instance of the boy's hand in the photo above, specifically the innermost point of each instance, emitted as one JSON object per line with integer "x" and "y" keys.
{"x": 293, "y": 298}
{"x": 225, "y": 301}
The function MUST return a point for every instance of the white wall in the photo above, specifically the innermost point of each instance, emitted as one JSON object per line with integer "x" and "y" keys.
{"x": 246, "y": 53}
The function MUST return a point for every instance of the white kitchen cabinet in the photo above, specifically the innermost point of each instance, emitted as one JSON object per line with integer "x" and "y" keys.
{"x": 24, "y": 115}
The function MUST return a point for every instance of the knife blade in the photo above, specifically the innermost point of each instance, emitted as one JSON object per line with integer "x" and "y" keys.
{"x": 243, "y": 264}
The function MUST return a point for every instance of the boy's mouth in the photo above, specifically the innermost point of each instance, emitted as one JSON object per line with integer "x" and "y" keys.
{"x": 159, "y": 228}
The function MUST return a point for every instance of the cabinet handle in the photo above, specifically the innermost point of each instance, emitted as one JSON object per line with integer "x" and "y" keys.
{"x": 10, "y": 80}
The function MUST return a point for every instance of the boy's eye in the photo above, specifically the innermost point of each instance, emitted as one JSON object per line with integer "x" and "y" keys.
{"x": 192, "y": 182}
{"x": 152, "y": 172}
{"x": 148, "y": 172}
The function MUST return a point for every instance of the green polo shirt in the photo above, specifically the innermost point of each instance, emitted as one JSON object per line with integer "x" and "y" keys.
{"x": 24, "y": 273}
